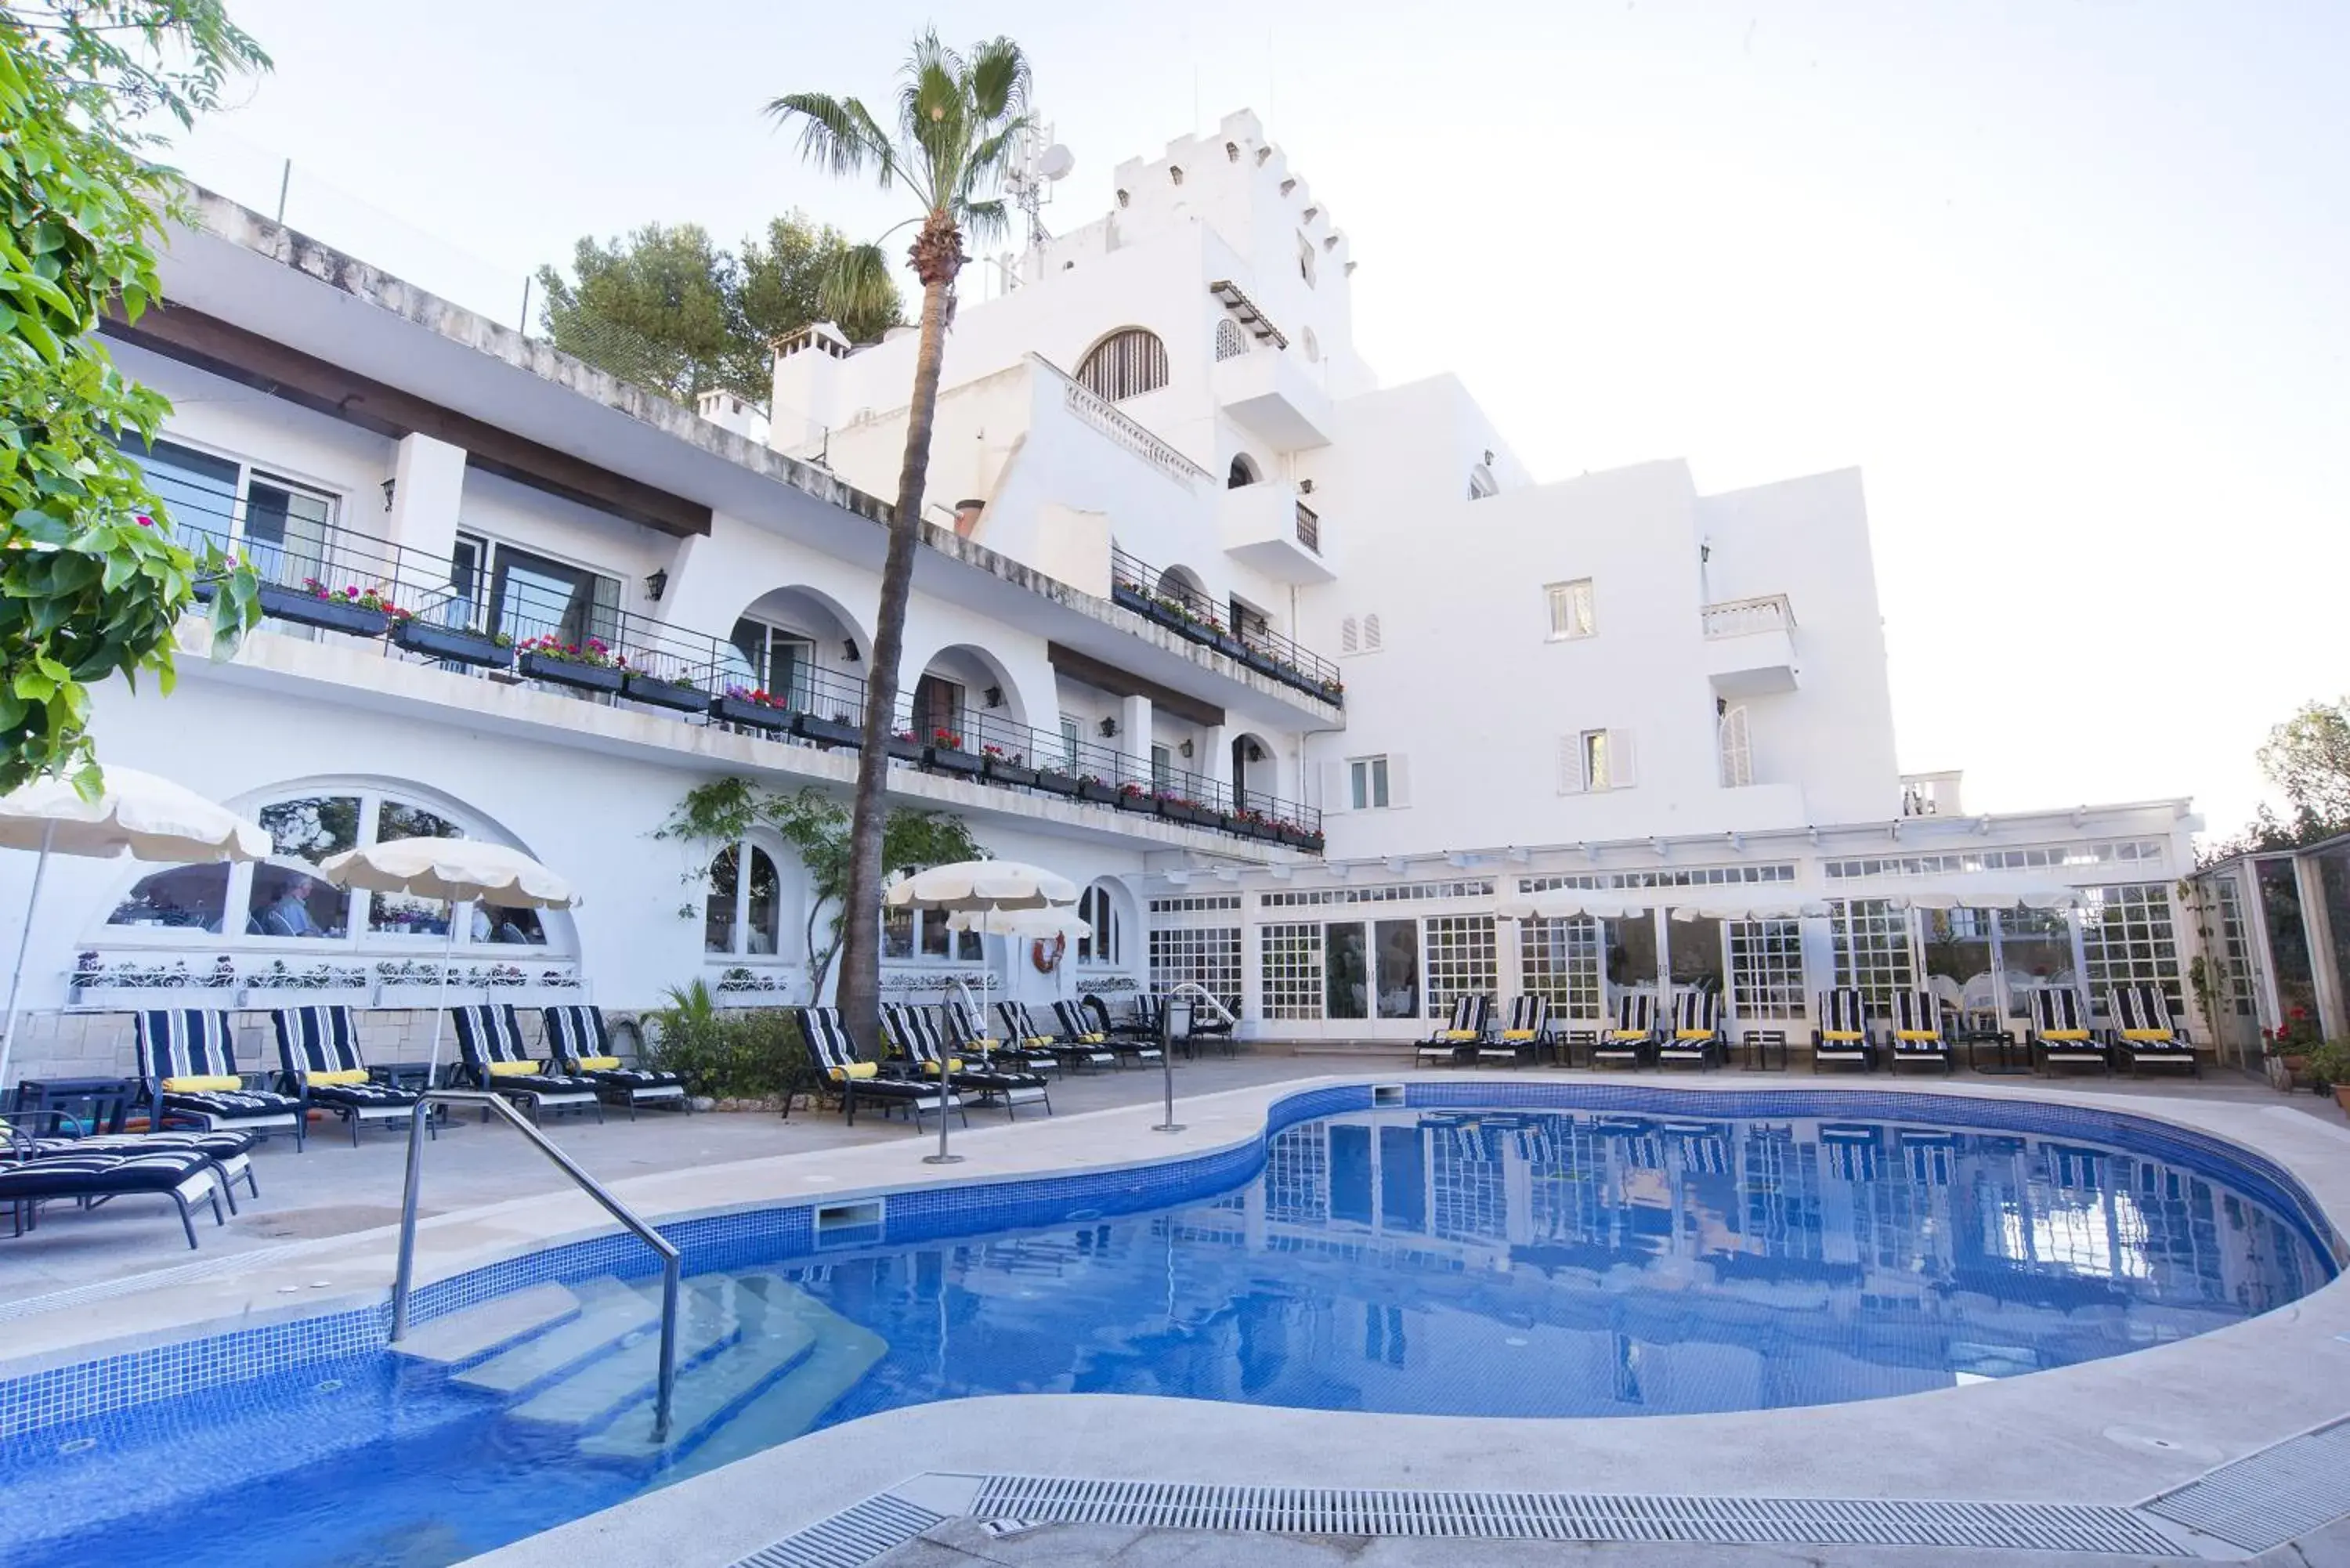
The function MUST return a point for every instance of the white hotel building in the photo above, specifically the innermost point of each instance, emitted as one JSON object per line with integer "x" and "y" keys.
{"x": 1202, "y": 553}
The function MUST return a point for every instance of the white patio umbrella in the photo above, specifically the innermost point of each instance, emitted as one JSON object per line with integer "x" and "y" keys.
{"x": 1025, "y": 925}
{"x": 985, "y": 888}
{"x": 1983, "y": 890}
{"x": 459, "y": 871}
{"x": 150, "y": 818}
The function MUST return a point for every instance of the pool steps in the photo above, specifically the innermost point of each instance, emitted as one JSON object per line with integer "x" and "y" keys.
{"x": 759, "y": 1362}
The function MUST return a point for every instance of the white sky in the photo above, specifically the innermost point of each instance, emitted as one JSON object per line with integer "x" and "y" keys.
{"x": 2069, "y": 281}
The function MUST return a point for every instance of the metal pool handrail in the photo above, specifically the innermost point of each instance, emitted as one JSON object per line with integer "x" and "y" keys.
{"x": 1167, "y": 1042}
{"x": 671, "y": 1262}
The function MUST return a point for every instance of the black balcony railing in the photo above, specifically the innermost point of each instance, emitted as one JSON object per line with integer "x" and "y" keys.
{"x": 1157, "y": 596}
{"x": 574, "y": 638}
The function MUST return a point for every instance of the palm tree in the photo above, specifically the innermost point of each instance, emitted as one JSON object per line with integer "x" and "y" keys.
{"x": 960, "y": 119}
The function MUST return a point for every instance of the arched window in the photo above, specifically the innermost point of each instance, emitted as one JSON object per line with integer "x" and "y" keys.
{"x": 1230, "y": 341}
{"x": 1098, "y": 908}
{"x": 281, "y": 899}
{"x": 1126, "y": 364}
{"x": 743, "y": 914}
{"x": 1242, "y": 475}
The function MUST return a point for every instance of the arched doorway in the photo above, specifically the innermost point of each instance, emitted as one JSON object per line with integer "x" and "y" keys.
{"x": 1255, "y": 771}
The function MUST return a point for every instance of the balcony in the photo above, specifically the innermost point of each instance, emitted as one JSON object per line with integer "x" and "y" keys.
{"x": 1269, "y": 526}
{"x": 1750, "y": 646}
{"x": 1273, "y": 396}
{"x": 1149, "y": 593}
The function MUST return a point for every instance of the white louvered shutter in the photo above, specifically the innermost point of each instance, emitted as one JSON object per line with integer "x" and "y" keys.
{"x": 1621, "y": 773}
{"x": 1370, "y": 633}
{"x": 1570, "y": 764}
{"x": 1350, "y": 636}
{"x": 1398, "y": 779}
{"x": 1337, "y": 791}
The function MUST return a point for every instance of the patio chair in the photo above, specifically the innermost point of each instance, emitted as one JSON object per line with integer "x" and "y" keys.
{"x": 2059, "y": 1036}
{"x": 967, "y": 1035}
{"x": 913, "y": 1034}
{"x": 2145, "y": 1030}
{"x": 1841, "y": 1035}
{"x": 1024, "y": 1033}
{"x": 849, "y": 1078}
{"x": 1634, "y": 1034}
{"x": 1079, "y": 1026}
{"x": 187, "y": 1062}
{"x": 93, "y": 1177}
{"x": 1457, "y": 1040}
{"x": 581, "y": 1047}
{"x": 21, "y": 1138}
{"x": 1697, "y": 1034}
{"x": 1921, "y": 1032}
{"x": 489, "y": 1041}
{"x": 318, "y": 1047}
{"x": 1524, "y": 1033}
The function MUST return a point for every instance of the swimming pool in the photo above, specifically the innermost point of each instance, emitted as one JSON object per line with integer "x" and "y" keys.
{"x": 1588, "y": 1250}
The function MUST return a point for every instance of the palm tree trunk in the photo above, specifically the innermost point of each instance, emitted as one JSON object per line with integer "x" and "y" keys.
{"x": 859, "y": 993}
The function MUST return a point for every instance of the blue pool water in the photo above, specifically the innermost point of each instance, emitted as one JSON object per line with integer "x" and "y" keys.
{"x": 1526, "y": 1263}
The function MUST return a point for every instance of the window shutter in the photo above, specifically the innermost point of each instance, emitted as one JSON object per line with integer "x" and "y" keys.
{"x": 1621, "y": 773}
{"x": 1398, "y": 779}
{"x": 1350, "y": 637}
{"x": 1737, "y": 750}
{"x": 1570, "y": 764}
{"x": 1370, "y": 633}
{"x": 1336, "y": 792}
{"x": 604, "y": 614}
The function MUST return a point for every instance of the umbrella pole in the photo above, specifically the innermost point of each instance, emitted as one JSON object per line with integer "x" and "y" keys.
{"x": 440, "y": 1011}
{"x": 946, "y": 1084}
{"x": 24, "y": 943}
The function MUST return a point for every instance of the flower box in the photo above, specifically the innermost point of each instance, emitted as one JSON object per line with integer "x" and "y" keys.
{"x": 1137, "y": 802}
{"x": 1225, "y": 822}
{"x": 1126, "y": 596}
{"x": 1296, "y": 837}
{"x": 1231, "y": 647}
{"x": 755, "y": 715}
{"x": 827, "y": 731}
{"x": 1004, "y": 771}
{"x": 907, "y": 749}
{"x": 571, "y": 672}
{"x": 679, "y": 695}
{"x": 307, "y": 609}
{"x": 1174, "y": 810}
{"x": 458, "y": 645}
{"x": 1098, "y": 791}
{"x": 953, "y": 760}
{"x": 1054, "y": 783}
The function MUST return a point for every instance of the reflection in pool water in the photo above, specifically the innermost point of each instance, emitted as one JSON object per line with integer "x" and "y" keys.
{"x": 1514, "y": 1262}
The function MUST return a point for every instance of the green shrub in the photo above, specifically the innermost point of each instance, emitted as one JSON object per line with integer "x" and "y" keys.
{"x": 2329, "y": 1061}
{"x": 750, "y": 1053}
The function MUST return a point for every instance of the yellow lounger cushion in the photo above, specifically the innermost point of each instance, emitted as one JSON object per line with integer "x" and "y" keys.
{"x": 2065, "y": 1035}
{"x": 2147, "y": 1035}
{"x": 1915, "y": 1034}
{"x": 1516, "y": 1036}
{"x": 1458, "y": 1035}
{"x": 1842, "y": 1036}
{"x": 855, "y": 1070}
{"x": 598, "y": 1064}
{"x": 1037, "y": 1040}
{"x": 1692, "y": 1033}
{"x": 954, "y": 1064}
{"x": 988, "y": 1044}
{"x": 202, "y": 1081}
{"x": 514, "y": 1070}
{"x": 1092, "y": 1039}
{"x": 1627, "y": 1035}
{"x": 335, "y": 1080}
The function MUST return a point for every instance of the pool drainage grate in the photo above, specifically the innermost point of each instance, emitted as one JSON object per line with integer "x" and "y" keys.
{"x": 849, "y": 1539}
{"x": 1573, "y": 1516}
{"x": 2266, "y": 1499}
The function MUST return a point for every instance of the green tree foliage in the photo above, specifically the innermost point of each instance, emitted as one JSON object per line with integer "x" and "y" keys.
{"x": 93, "y": 578}
{"x": 2307, "y": 757}
{"x": 668, "y": 309}
{"x": 816, "y": 826}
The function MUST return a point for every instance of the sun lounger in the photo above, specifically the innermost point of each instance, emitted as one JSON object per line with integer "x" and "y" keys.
{"x": 1921, "y": 1032}
{"x": 489, "y": 1040}
{"x": 33, "y": 1134}
{"x": 1456, "y": 1040}
{"x": 1078, "y": 1026}
{"x": 913, "y": 1034}
{"x": 1141, "y": 1024}
{"x": 581, "y": 1047}
{"x": 1696, "y": 1034}
{"x": 2145, "y": 1030}
{"x": 1024, "y": 1033}
{"x": 2060, "y": 1036}
{"x": 187, "y": 1060}
{"x": 95, "y": 1176}
{"x": 965, "y": 1036}
{"x": 318, "y": 1047}
{"x": 850, "y": 1078}
{"x": 1841, "y": 1036}
{"x": 1634, "y": 1034}
{"x": 1524, "y": 1033}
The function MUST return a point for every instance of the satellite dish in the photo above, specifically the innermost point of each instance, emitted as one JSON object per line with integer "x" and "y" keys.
{"x": 1057, "y": 162}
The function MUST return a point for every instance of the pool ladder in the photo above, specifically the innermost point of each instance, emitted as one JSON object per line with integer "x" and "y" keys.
{"x": 671, "y": 1261}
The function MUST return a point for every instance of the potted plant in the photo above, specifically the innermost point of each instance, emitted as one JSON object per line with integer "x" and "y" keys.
{"x": 361, "y": 612}
{"x": 2329, "y": 1064}
{"x": 1292, "y": 835}
{"x": 1093, "y": 787}
{"x": 1313, "y": 841}
{"x": 839, "y": 729}
{"x": 663, "y": 691}
{"x": 945, "y": 754}
{"x": 905, "y": 748}
{"x": 455, "y": 644}
{"x": 1055, "y": 780}
{"x": 1133, "y": 797}
{"x": 1008, "y": 768}
{"x": 753, "y": 708}
{"x": 587, "y": 667}
{"x": 1130, "y": 596}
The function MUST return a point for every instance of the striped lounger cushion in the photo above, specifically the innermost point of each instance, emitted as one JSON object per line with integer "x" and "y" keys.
{"x": 581, "y": 1045}
{"x": 183, "y": 1047}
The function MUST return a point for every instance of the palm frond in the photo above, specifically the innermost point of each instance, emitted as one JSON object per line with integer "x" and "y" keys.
{"x": 857, "y": 284}
{"x": 999, "y": 80}
{"x": 836, "y": 133}
{"x": 993, "y": 158}
{"x": 986, "y": 221}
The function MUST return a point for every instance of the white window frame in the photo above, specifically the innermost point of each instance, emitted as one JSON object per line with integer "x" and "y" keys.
{"x": 1573, "y": 610}
{"x": 1594, "y": 762}
{"x": 1369, "y": 782}
{"x": 1073, "y": 738}
{"x": 737, "y": 950}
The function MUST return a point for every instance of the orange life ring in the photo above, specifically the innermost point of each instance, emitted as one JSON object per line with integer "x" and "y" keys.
{"x": 1045, "y": 954}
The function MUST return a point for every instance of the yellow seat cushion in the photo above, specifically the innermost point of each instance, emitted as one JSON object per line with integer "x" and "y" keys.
{"x": 1093, "y": 1039}
{"x": 1915, "y": 1034}
{"x": 1516, "y": 1036}
{"x": 202, "y": 1082}
{"x": 1627, "y": 1034}
{"x": 2147, "y": 1035}
{"x": 336, "y": 1079}
{"x": 1842, "y": 1036}
{"x": 514, "y": 1070}
{"x": 987, "y": 1044}
{"x": 1034, "y": 1041}
{"x": 598, "y": 1064}
{"x": 855, "y": 1070}
{"x": 2065, "y": 1036}
{"x": 1457, "y": 1035}
{"x": 1692, "y": 1033}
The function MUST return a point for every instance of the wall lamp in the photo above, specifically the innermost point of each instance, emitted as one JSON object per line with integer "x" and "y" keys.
{"x": 848, "y": 649}
{"x": 1185, "y": 748}
{"x": 994, "y": 695}
{"x": 657, "y": 584}
{"x": 1108, "y": 728}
